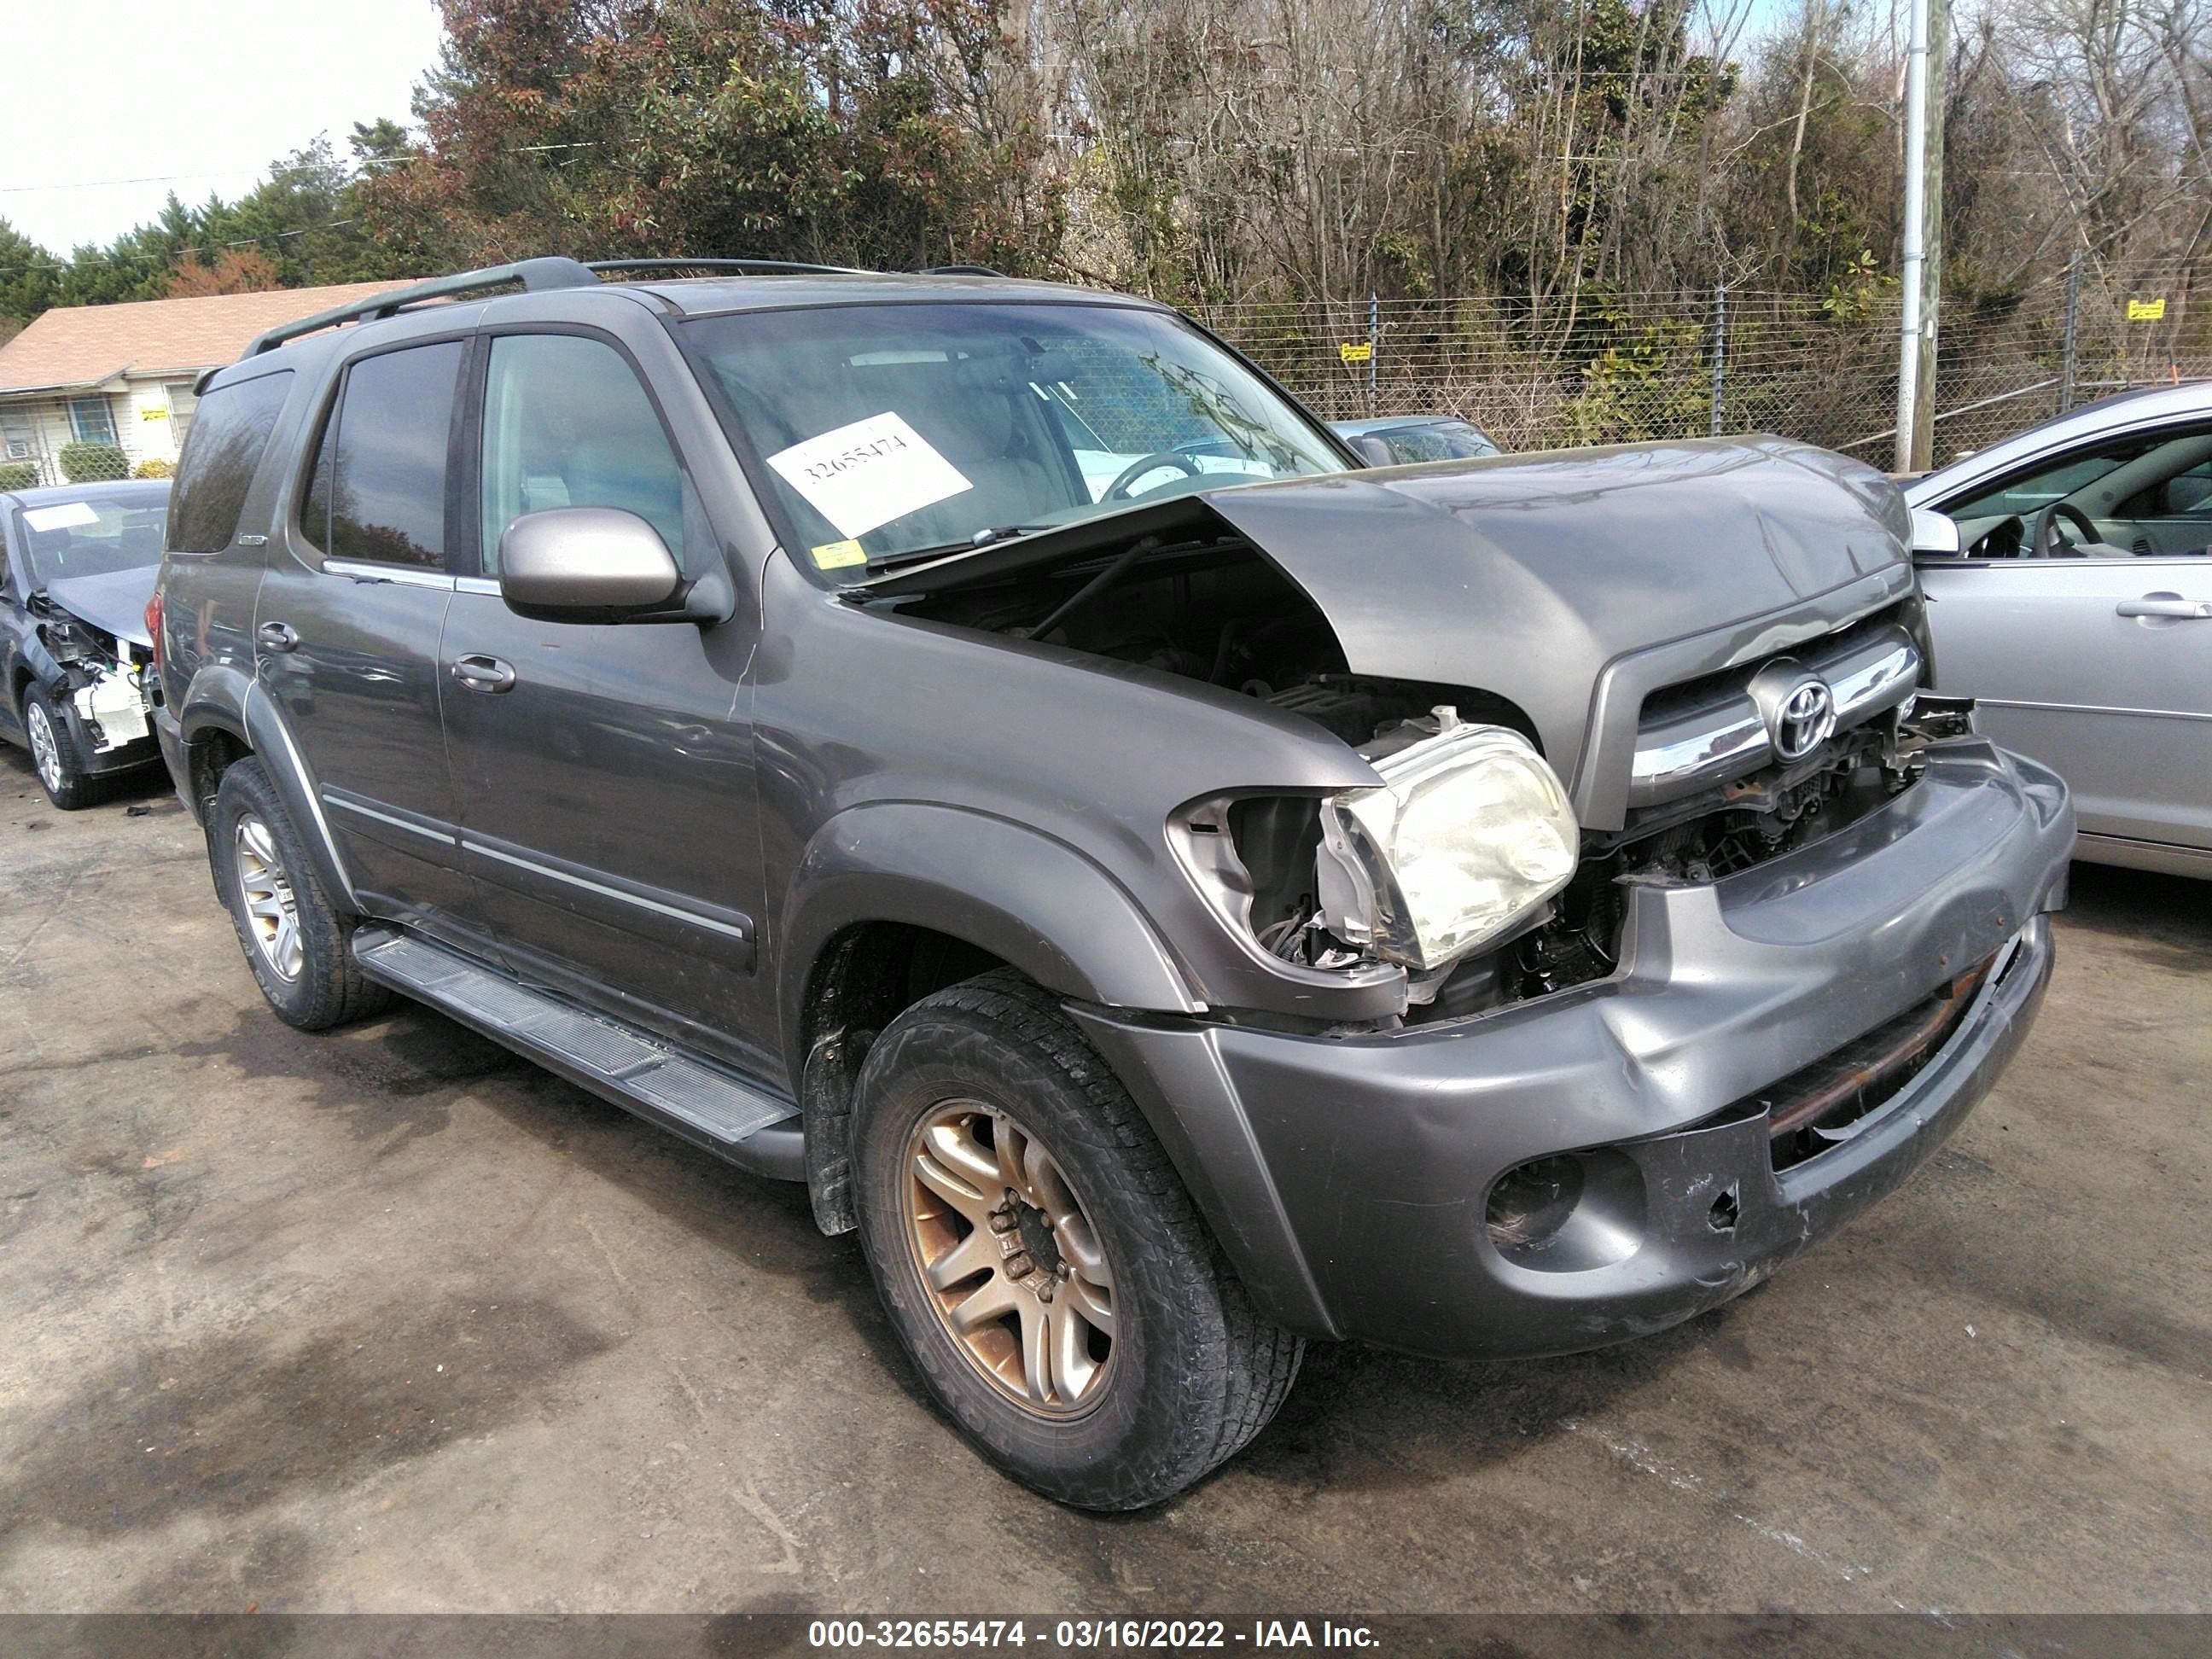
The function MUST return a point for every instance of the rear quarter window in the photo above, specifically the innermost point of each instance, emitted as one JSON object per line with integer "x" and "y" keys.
{"x": 230, "y": 431}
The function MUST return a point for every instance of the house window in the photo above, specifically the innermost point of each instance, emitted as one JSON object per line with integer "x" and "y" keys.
{"x": 181, "y": 405}
{"x": 18, "y": 442}
{"x": 90, "y": 421}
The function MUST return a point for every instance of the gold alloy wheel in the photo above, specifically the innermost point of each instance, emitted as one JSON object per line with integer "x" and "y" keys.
{"x": 271, "y": 912}
{"x": 1008, "y": 1258}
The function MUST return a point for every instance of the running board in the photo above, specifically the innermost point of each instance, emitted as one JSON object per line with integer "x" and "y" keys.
{"x": 706, "y": 1104}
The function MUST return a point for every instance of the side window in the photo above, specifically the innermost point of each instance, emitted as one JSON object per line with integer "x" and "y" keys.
{"x": 230, "y": 429}
{"x": 378, "y": 491}
{"x": 567, "y": 424}
{"x": 2026, "y": 495}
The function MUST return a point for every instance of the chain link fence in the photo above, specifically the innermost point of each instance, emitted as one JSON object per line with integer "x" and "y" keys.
{"x": 73, "y": 440}
{"x": 1582, "y": 369}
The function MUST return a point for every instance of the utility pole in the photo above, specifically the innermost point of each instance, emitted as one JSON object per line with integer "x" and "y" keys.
{"x": 1923, "y": 208}
{"x": 1931, "y": 233}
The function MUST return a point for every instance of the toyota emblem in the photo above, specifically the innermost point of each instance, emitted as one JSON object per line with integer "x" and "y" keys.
{"x": 1804, "y": 720}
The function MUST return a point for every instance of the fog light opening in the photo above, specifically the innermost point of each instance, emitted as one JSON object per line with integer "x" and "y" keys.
{"x": 1567, "y": 1214}
{"x": 1721, "y": 1217}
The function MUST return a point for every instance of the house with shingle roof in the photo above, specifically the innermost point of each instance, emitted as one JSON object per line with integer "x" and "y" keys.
{"x": 123, "y": 373}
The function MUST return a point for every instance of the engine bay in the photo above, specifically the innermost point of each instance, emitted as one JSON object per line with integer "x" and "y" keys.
{"x": 106, "y": 680}
{"x": 1216, "y": 611}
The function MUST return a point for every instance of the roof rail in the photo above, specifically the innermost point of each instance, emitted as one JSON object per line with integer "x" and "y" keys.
{"x": 736, "y": 267}
{"x": 533, "y": 275}
{"x": 958, "y": 270}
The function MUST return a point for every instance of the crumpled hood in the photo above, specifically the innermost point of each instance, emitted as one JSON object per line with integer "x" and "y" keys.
{"x": 1529, "y": 575}
{"x": 1573, "y": 582}
{"x": 114, "y": 602}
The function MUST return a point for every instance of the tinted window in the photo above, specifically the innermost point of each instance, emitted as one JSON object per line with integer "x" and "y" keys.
{"x": 230, "y": 428}
{"x": 378, "y": 489}
{"x": 567, "y": 424}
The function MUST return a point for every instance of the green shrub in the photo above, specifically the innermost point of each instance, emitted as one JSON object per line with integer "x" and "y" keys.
{"x": 155, "y": 468}
{"x": 87, "y": 463}
{"x": 18, "y": 475}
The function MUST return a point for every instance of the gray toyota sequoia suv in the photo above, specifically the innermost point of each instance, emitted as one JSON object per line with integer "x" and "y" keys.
{"x": 980, "y": 749}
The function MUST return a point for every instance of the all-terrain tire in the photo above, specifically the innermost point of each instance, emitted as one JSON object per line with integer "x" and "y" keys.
{"x": 327, "y": 987}
{"x": 1194, "y": 1370}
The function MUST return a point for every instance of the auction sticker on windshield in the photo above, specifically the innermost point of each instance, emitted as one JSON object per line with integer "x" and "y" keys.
{"x": 865, "y": 474}
{"x": 68, "y": 516}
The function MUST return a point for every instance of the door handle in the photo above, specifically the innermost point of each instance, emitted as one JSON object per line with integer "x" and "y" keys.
{"x": 276, "y": 636}
{"x": 2182, "y": 610}
{"x": 483, "y": 673}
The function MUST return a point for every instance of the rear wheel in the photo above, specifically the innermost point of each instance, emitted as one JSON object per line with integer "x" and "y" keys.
{"x": 297, "y": 943}
{"x": 1040, "y": 1259}
{"x": 54, "y": 753}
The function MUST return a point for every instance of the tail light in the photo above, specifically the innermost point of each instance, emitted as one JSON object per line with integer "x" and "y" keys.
{"x": 154, "y": 628}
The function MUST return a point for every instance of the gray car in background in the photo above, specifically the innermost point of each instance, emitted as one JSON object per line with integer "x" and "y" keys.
{"x": 1408, "y": 439}
{"x": 2070, "y": 593}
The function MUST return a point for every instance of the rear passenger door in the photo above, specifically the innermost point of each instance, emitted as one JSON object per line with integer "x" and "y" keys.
{"x": 347, "y": 627}
{"x": 605, "y": 771}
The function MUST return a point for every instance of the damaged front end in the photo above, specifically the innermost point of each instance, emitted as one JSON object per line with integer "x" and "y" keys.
{"x": 1466, "y": 868}
{"x": 103, "y": 678}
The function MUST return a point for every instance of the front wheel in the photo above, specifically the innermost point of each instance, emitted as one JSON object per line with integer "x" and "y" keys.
{"x": 1040, "y": 1259}
{"x": 54, "y": 753}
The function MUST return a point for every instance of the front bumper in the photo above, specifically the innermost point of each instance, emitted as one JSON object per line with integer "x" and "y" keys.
{"x": 1348, "y": 1177}
{"x": 95, "y": 762}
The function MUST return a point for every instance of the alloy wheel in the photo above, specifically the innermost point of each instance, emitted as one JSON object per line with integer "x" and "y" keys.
{"x": 45, "y": 746}
{"x": 1008, "y": 1258}
{"x": 273, "y": 914}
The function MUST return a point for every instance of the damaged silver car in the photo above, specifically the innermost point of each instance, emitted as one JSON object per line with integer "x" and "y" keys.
{"x": 75, "y": 650}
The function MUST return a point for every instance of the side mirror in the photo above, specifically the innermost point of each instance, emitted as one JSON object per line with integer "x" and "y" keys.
{"x": 1934, "y": 535}
{"x": 588, "y": 564}
{"x": 1373, "y": 451}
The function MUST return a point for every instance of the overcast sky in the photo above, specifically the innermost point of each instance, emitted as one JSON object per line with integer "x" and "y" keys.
{"x": 205, "y": 94}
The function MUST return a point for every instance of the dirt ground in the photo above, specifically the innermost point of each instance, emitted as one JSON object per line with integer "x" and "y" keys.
{"x": 388, "y": 1320}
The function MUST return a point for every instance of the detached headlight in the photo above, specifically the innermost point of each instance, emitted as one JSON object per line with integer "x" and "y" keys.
{"x": 1469, "y": 834}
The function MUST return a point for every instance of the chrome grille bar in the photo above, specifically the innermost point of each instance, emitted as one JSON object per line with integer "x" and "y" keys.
{"x": 1689, "y": 750}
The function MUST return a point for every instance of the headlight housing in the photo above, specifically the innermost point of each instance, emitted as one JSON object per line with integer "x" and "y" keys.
{"x": 1468, "y": 837}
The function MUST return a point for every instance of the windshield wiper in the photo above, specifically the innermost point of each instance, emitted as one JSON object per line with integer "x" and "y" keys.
{"x": 980, "y": 538}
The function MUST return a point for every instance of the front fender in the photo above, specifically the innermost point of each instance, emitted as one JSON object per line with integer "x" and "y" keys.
{"x": 39, "y": 661}
{"x": 1029, "y": 900}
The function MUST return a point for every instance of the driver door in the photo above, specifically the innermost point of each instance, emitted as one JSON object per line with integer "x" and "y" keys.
{"x": 605, "y": 772}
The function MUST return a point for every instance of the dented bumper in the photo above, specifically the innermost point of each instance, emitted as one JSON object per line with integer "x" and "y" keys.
{"x": 1380, "y": 1186}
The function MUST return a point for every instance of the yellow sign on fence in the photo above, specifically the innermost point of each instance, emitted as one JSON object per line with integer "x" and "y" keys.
{"x": 1356, "y": 351}
{"x": 2147, "y": 310}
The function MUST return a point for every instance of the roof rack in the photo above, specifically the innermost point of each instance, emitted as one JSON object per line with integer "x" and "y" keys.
{"x": 533, "y": 275}
{"x": 737, "y": 267}
{"x": 958, "y": 270}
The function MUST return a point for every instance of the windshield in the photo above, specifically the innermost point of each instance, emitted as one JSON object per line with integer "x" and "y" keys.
{"x": 121, "y": 530}
{"x": 896, "y": 429}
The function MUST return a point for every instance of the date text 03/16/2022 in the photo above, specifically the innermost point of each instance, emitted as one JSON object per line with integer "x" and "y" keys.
{"x": 1107, "y": 1635}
